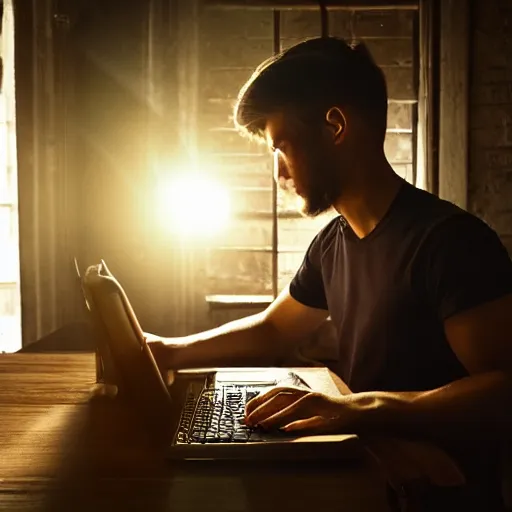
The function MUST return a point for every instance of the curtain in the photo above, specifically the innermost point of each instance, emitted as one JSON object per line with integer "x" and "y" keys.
{"x": 99, "y": 106}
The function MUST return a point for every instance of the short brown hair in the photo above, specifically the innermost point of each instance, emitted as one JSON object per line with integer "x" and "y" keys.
{"x": 313, "y": 75}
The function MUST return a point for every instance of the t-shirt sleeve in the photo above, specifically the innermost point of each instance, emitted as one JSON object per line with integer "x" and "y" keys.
{"x": 307, "y": 286}
{"x": 466, "y": 266}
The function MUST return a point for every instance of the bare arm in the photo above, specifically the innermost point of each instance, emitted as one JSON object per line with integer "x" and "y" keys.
{"x": 466, "y": 408}
{"x": 481, "y": 338}
{"x": 260, "y": 339}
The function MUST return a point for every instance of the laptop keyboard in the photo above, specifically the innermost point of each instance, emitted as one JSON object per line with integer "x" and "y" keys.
{"x": 217, "y": 417}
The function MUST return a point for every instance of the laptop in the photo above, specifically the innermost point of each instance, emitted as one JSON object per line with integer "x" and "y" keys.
{"x": 201, "y": 411}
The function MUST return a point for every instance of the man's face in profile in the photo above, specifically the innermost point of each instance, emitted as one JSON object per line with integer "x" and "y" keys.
{"x": 306, "y": 155}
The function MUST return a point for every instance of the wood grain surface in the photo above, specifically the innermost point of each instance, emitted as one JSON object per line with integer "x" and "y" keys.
{"x": 65, "y": 447}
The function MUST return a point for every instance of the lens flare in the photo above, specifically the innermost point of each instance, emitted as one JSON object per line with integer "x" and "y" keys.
{"x": 195, "y": 205}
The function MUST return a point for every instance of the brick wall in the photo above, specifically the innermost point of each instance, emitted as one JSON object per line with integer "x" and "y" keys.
{"x": 490, "y": 173}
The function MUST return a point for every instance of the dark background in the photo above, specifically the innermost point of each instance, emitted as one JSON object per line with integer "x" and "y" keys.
{"x": 108, "y": 91}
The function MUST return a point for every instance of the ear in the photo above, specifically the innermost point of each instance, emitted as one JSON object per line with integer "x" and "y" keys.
{"x": 337, "y": 123}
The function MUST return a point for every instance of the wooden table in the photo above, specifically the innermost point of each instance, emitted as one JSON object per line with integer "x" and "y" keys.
{"x": 63, "y": 448}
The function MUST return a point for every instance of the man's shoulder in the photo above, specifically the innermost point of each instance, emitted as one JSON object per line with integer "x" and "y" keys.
{"x": 323, "y": 239}
{"x": 465, "y": 229}
{"x": 429, "y": 205}
{"x": 436, "y": 215}
{"x": 450, "y": 229}
{"x": 325, "y": 236}
{"x": 432, "y": 225}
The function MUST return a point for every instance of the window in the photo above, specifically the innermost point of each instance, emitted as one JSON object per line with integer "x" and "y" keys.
{"x": 265, "y": 244}
{"x": 10, "y": 308}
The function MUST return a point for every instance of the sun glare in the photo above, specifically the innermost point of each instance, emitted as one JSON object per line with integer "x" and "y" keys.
{"x": 195, "y": 205}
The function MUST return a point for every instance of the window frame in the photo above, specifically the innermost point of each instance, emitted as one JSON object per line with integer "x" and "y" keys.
{"x": 10, "y": 306}
{"x": 422, "y": 40}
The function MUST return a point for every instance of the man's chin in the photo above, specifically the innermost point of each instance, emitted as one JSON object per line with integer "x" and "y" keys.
{"x": 305, "y": 207}
{"x": 312, "y": 206}
{"x": 310, "y": 210}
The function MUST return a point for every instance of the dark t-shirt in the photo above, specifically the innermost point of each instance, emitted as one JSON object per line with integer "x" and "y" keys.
{"x": 389, "y": 293}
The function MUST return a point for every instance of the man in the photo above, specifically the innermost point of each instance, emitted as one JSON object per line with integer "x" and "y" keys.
{"x": 420, "y": 292}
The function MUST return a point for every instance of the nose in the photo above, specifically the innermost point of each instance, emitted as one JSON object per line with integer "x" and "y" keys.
{"x": 280, "y": 167}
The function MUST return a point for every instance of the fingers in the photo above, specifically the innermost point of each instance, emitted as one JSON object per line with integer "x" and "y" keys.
{"x": 151, "y": 337}
{"x": 325, "y": 421}
{"x": 300, "y": 409}
{"x": 278, "y": 402}
{"x": 258, "y": 401}
{"x": 316, "y": 424}
{"x": 294, "y": 409}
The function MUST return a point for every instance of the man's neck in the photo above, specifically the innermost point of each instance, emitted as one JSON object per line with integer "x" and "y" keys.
{"x": 367, "y": 201}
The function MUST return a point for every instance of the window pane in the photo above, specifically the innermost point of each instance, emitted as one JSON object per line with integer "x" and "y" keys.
{"x": 383, "y": 24}
{"x": 289, "y": 263}
{"x": 400, "y": 116}
{"x": 251, "y": 199}
{"x": 3, "y": 162}
{"x": 10, "y": 307}
{"x": 300, "y": 23}
{"x": 5, "y": 225}
{"x": 287, "y": 201}
{"x": 246, "y": 233}
{"x": 239, "y": 272}
{"x": 8, "y": 241}
{"x": 398, "y": 147}
{"x": 8, "y": 188}
{"x": 10, "y": 319}
{"x": 3, "y": 115}
{"x": 246, "y": 170}
{"x": 298, "y": 233}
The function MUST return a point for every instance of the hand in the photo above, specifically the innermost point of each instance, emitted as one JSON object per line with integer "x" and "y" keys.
{"x": 162, "y": 353}
{"x": 295, "y": 409}
{"x": 152, "y": 338}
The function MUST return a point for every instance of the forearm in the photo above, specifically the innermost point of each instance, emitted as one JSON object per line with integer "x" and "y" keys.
{"x": 463, "y": 408}
{"x": 248, "y": 341}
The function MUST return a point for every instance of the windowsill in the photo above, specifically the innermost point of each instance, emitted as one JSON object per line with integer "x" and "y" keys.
{"x": 238, "y": 301}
